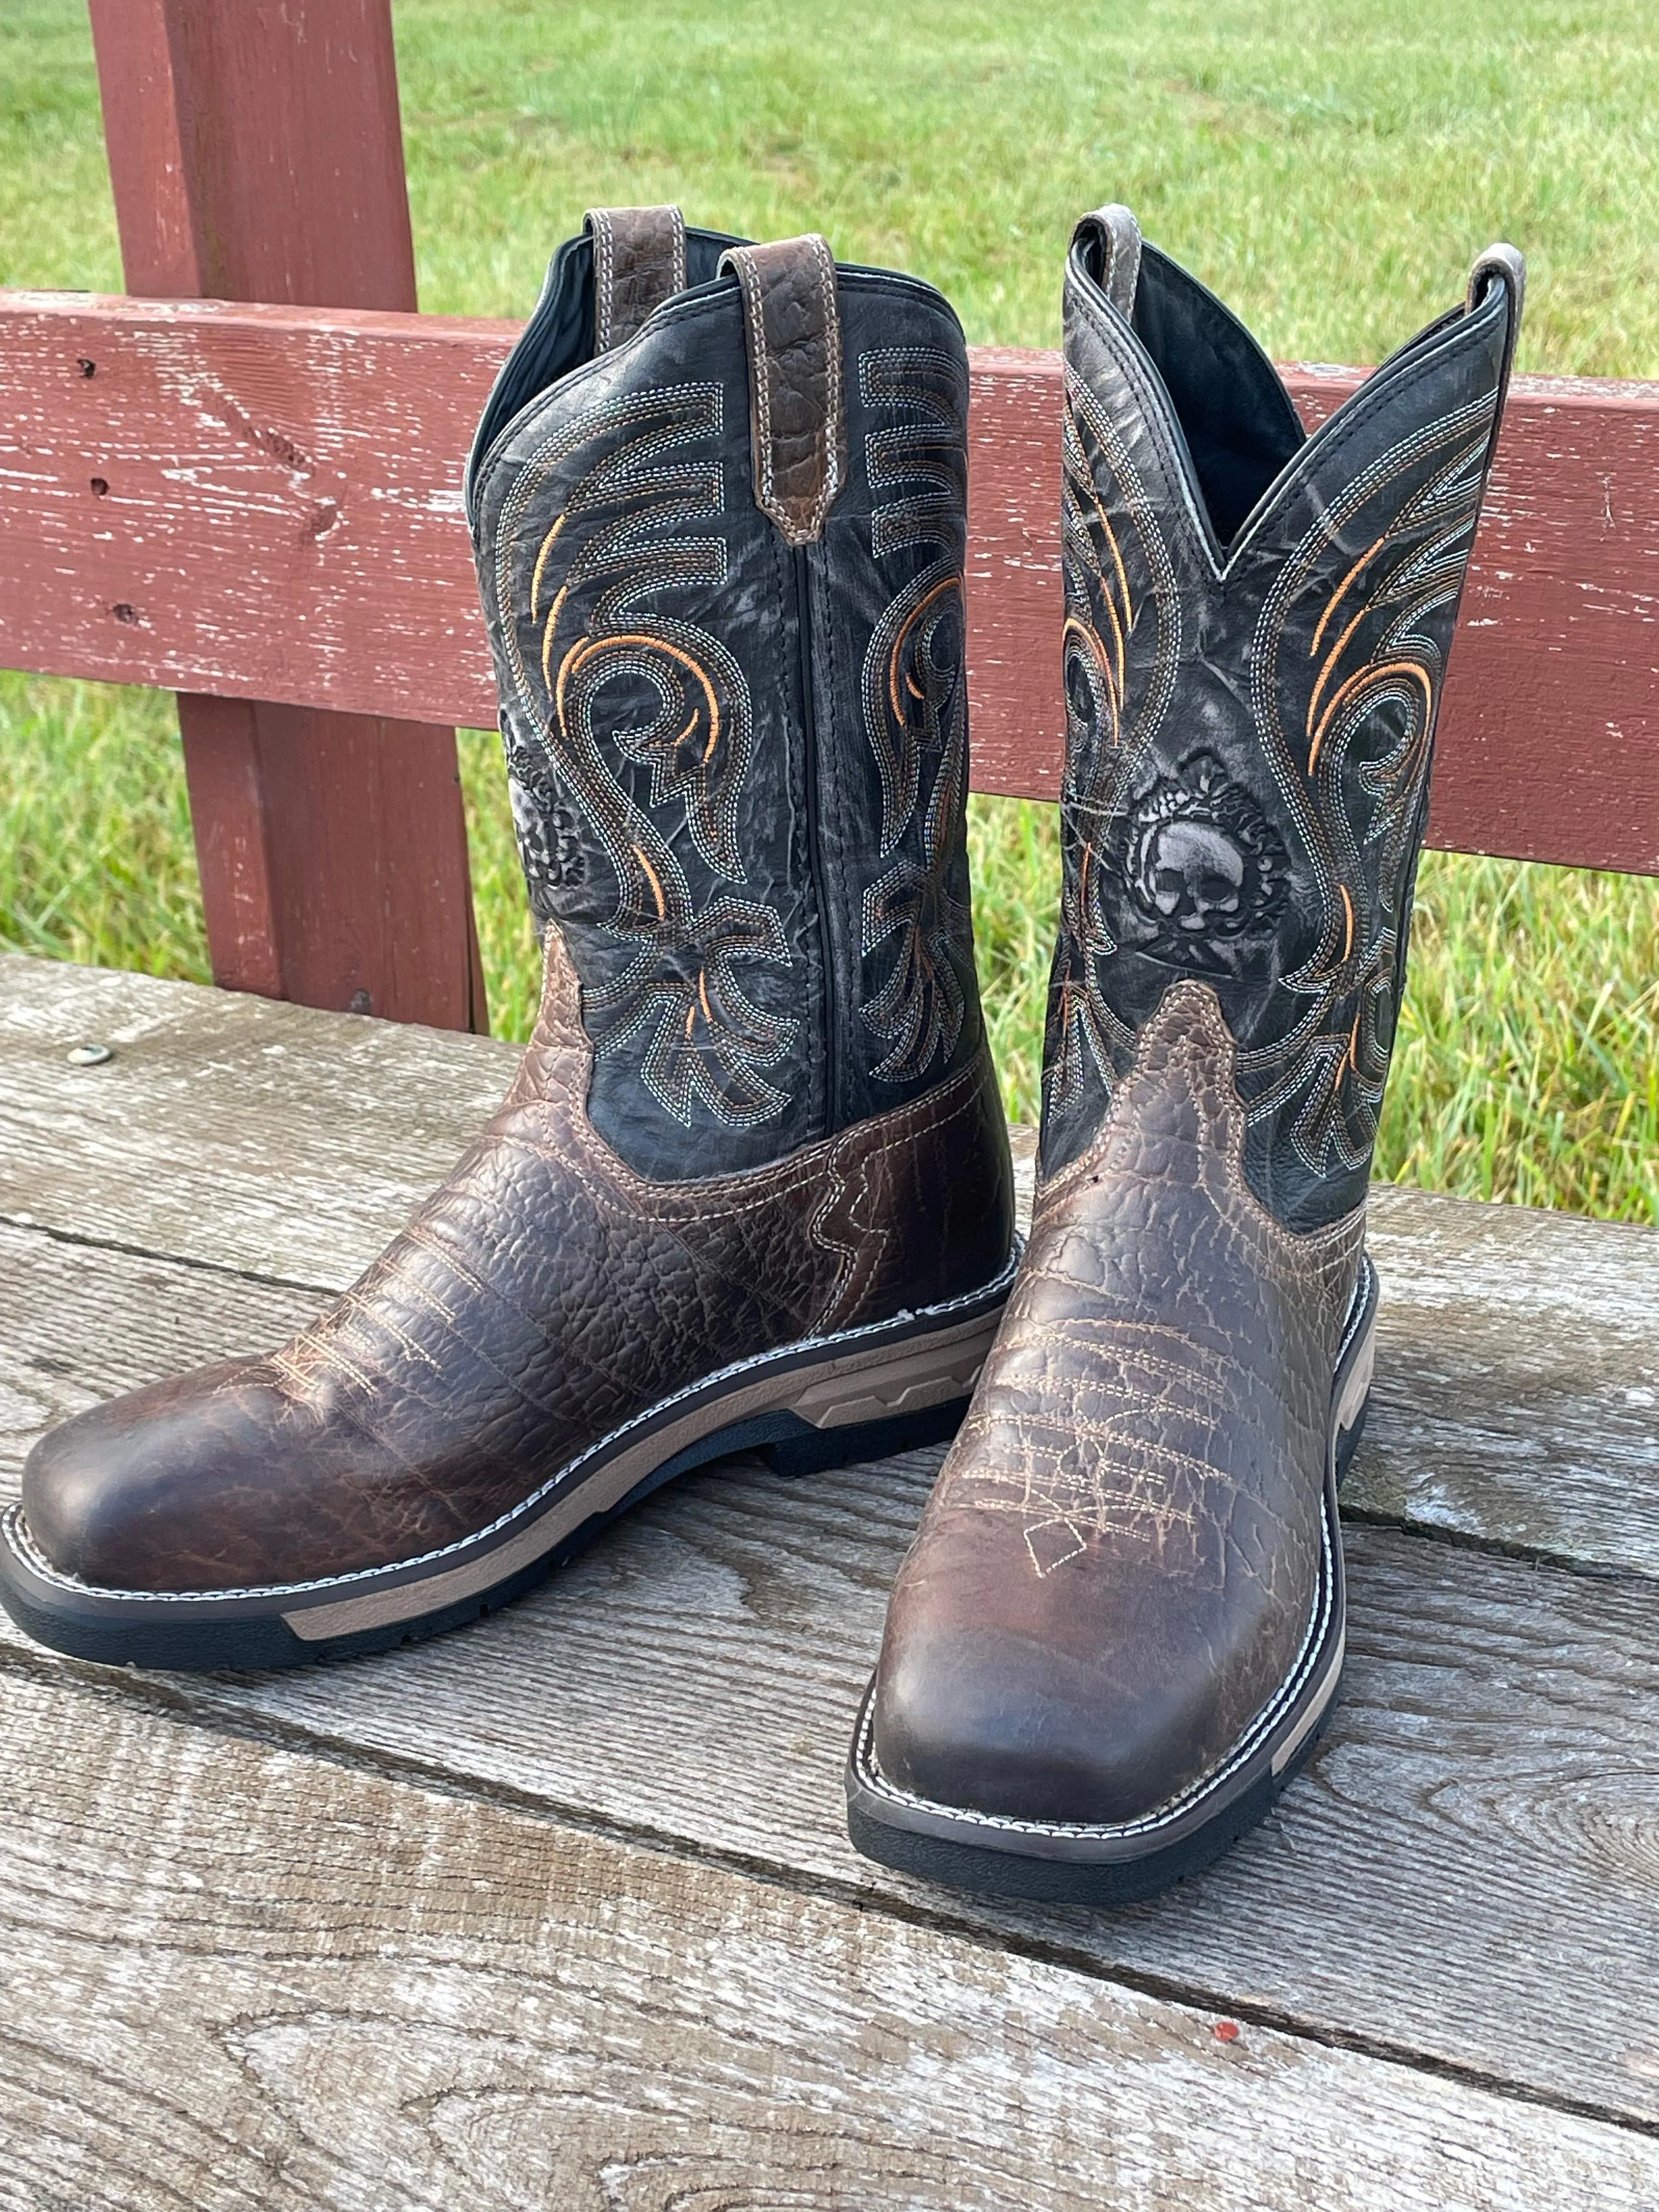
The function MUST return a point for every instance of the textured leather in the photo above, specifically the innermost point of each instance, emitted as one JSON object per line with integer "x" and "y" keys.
{"x": 639, "y": 261}
{"x": 738, "y": 767}
{"x": 759, "y": 1106}
{"x": 1121, "y": 1568}
{"x": 543, "y": 1296}
{"x": 797, "y": 417}
{"x": 1120, "y": 1558}
{"x": 1257, "y": 625}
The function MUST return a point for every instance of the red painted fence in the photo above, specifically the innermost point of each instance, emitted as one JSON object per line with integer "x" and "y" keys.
{"x": 256, "y": 152}
{"x": 265, "y": 502}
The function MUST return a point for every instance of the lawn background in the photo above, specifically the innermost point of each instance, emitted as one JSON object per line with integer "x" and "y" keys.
{"x": 1331, "y": 170}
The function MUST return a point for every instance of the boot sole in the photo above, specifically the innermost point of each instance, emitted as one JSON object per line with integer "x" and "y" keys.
{"x": 1059, "y": 1863}
{"x": 822, "y": 1402}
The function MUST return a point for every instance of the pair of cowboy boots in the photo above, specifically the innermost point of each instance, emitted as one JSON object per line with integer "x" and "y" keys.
{"x": 750, "y": 1190}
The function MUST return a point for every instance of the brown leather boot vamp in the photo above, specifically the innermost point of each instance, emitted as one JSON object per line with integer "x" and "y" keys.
{"x": 1127, "y": 1576}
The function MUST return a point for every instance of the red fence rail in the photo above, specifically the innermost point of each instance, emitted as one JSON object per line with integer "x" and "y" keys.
{"x": 265, "y": 502}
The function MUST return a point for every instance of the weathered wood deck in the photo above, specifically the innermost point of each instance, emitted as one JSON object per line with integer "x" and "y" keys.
{"x": 560, "y": 1912}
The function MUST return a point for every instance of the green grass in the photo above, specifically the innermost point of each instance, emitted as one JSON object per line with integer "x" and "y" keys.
{"x": 1331, "y": 171}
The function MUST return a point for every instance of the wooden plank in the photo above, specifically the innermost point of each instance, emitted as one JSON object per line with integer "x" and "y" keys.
{"x": 213, "y": 1099}
{"x": 83, "y": 1324}
{"x": 282, "y": 515}
{"x": 1517, "y": 1399}
{"x": 282, "y": 519}
{"x": 1518, "y": 1386}
{"x": 256, "y": 153}
{"x": 1484, "y": 1794}
{"x": 240, "y": 1978}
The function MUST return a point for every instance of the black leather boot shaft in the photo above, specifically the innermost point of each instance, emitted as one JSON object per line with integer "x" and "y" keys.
{"x": 1257, "y": 623}
{"x": 719, "y": 505}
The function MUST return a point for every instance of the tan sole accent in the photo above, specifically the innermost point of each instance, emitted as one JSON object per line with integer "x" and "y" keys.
{"x": 1321, "y": 1698}
{"x": 1359, "y": 1382}
{"x": 866, "y": 1385}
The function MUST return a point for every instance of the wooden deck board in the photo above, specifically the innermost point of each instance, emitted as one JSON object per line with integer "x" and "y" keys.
{"x": 253, "y": 1979}
{"x": 1468, "y": 1877}
{"x": 1485, "y": 1788}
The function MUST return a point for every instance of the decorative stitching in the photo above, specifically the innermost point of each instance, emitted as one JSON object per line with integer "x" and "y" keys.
{"x": 1105, "y": 749}
{"x": 828, "y": 436}
{"x": 709, "y": 1044}
{"x": 604, "y": 269}
{"x": 831, "y": 432}
{"x": 1338, "y": 1074}
{"x": 605, "y": 278}
{"x": 914, "y": 695}
{"x": 1330, "y": 1071}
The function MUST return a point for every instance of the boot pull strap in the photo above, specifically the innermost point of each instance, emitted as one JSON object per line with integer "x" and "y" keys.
{"x": 1116, "y": 235}
{"x": 1500, "y": 264}
{"x": 639, "y": 261}
{"x": 797, "y": 409}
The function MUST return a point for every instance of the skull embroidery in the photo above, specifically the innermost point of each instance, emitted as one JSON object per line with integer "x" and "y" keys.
{"x": 1205, "y": 865}
{"x": 1195, "y": 875}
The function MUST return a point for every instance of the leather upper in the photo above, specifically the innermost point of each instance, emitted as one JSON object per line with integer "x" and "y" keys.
{"x": 1128, "y": 1563}
{"x": 722, "y": 566}
{"x": 720, "y": 519}
{"x": 1119, "y": 1562}
{"x": 797, "y": 406}
{"x": 544, "y": 1295}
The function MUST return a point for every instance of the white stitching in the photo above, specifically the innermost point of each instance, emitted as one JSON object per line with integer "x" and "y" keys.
{"x": 605, "y": 278}
{"x": 831, "y": 480}
{"x": 832, "y": 342}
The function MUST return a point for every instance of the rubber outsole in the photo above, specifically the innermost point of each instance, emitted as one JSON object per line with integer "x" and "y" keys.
{"x": 1061, "y": 1881}
{"x": 833, "y": 1386}
{"x": 937, "y": 1843}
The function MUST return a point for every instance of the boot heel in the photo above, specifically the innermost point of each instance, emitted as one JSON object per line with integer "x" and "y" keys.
{"x": 916, "y": 1394}
{"x": 812, "y": 1451}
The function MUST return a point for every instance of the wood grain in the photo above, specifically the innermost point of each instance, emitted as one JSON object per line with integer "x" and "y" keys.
{"x": 282, "y": 519}
{"x": 1517, "y": 1399}
{"x": 231, "y": 1130}
{"x": 1486, "y": 1794}
{"x": 239, "y": 1978}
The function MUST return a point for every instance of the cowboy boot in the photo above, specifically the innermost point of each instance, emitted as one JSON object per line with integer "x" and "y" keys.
{"x": 1120, "y": 1625}
{"x": 749, "y": 1190}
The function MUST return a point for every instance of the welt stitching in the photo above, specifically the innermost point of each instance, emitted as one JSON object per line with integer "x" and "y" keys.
{"x": 1260, "y": 1728}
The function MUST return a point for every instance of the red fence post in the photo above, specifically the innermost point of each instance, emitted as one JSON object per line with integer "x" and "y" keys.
{"x": 256, "y": 152}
